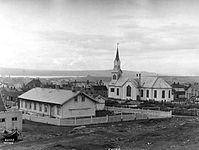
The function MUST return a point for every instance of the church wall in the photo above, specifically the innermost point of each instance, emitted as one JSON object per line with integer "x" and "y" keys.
{"x": 114, "y": 94}
{"x": 134, "y": 91}
{"x": 159, "y": 94}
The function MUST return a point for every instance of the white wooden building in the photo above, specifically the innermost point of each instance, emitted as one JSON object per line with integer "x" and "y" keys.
{"x": 136, "y": 87}
{"x": 57, "y": 103}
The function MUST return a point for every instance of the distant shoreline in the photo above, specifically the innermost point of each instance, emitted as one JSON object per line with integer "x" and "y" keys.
{"x": 35, "y": 76}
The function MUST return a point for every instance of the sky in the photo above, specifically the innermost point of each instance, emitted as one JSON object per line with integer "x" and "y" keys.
{"x": 159, "y": 36}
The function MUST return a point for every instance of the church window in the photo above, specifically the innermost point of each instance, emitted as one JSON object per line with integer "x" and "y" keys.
{"x": 40, "y": 107}
{"x": 35, "y": 105}
{"x": 114, "y": 77}
{"x": 142, "y": 93}
{"x": 155, "y": 93}
{"x": 112, "y": 89}
{"x": 163, "y": 94}
{"x": 147, "y": 93}
{"x": 128, "y": 90}
{"x": 118, "y": 90}
{"x": 21, "y": 104}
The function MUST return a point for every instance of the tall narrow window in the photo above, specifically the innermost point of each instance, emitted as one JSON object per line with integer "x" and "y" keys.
{"x": 163, "y": 94}
{"x": 147, "y": 93}
{"x": 83, "y": 98}
{"x": 25, "y": 104}
{"x": 169, "y": 94}
{"x": 142, "y": 93}
{"x": 118, "y": 91}
{"x": 114, "y": 77}
{"x": 58, "y": 110}
{"x": 35, "y": 105}
{"x": 128, "y": 91}
{"x": 76, "y": 100}
{"x": 40, "y": 107}
{"x": 30, "y": 105}
{"x": 21, "y": 104}
{"x": 46, "y": 108}
{"x": 155, "y": 93}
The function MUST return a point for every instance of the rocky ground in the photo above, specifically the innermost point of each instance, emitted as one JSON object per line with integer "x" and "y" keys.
{"x": 176, "y": 133}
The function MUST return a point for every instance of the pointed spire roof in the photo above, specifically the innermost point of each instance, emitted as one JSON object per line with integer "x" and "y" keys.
{"x": 117, "y": 54}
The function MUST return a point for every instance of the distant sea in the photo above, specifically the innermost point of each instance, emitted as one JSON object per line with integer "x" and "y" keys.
{"x": 34, "y": 76}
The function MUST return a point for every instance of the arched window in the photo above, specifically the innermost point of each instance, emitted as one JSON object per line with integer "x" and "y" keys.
{"x": 163, "y": 94}
{"x": 128, "y": 90}
{"x": 114, "y": 77}
{"x": 142, "y": 93}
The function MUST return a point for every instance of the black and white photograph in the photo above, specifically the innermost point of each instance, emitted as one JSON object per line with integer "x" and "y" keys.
{"x": 99, "y": 74}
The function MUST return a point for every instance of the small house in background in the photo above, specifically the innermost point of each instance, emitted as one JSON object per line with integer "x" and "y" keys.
{"x": 96, "y": 90}
{"x": 101, "y": 102}
{"x": 192, "y": 91}
{"x": 9, "y": 96}
{"x": 178, "y": 91}
{"x": 57, "y": 103}
{"x": 32, "y": 84}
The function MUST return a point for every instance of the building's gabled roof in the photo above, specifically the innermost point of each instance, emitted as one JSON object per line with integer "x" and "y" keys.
{"x": 122, "y": 80}
{"x": 100, "y": 87}
{"x": 100, "y": 99}
{"x": 34, "y": 83}
{"x": 177, "y": 85}
{"x": 54, "y": 96}
{"x": 146, "y": 82}
{"x": 194, "y": 86}
{"x": 160, "y": 83}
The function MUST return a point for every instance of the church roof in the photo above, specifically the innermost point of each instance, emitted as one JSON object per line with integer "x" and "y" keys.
{"x": 146, "y": 82}
{"x": 154, "y": 82}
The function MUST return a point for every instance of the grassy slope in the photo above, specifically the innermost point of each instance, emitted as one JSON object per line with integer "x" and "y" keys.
{"x": 175, "y": 133}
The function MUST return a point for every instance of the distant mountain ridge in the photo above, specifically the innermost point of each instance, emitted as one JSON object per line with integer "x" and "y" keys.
{"x": 29, "y": 72}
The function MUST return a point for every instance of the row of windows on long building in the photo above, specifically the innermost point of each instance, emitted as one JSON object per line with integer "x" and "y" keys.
{"x": 128, "y": 92}
{"x": 28, "y": 105}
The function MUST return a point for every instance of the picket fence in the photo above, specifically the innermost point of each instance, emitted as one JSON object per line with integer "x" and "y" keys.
{"x": 133, "y": 114}
{"x": 152, "y": 114}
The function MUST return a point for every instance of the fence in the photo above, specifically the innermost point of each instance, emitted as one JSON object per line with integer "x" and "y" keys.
{"x": 42, "y": 119}
{"x": 150, "y": 113}
{"x": 133, "y": 114}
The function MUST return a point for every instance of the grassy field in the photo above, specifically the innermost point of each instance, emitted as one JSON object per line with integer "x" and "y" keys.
{"x": 175, "y": 133}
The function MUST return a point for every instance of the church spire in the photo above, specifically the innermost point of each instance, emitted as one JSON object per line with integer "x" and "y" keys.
{"x": 117, "y": 72}
{"x": 117, "y": 54}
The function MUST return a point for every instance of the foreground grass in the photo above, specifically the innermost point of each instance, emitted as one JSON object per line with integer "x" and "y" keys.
{"x": 174, "y": 133}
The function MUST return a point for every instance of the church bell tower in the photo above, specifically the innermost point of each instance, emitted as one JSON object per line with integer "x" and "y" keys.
{"x": 116, "y": 72}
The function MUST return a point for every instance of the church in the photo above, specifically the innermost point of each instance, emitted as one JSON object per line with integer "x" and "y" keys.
{"x": 136, "y": 87}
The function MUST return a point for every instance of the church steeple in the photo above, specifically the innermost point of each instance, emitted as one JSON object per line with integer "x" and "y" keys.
{"x": 117, "y": 54}
{"x": 117, "y": 60}
{"x": 117, "y": 72}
